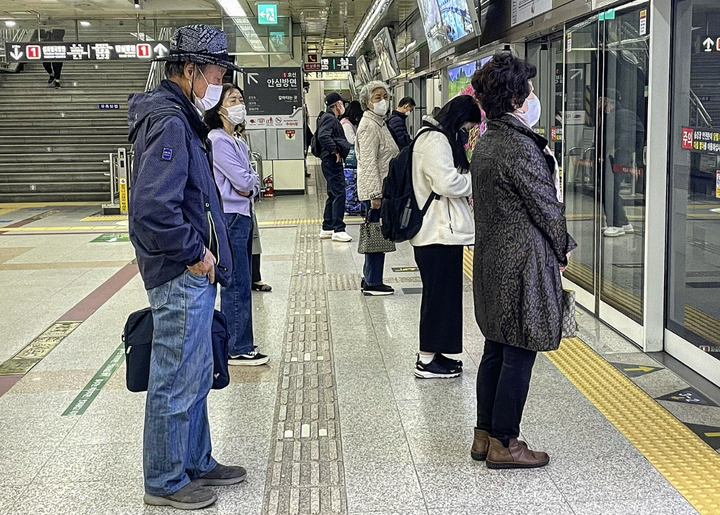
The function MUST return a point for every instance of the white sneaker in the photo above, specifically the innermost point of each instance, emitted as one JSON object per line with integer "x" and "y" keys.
{"x": 326, "y": 235}
{"x": 341, "y": 236}
{"x": 628, "y": 228}
{"x": 614, "y": 231}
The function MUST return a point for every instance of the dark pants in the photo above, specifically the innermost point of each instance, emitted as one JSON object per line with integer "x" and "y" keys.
{"x": 611, "y": 199}
{"x": 256, "y": 277}
{"x": 335, "y": 205}
{"x": 441, "y": 312}
{"x": 374, "y": 263}
{"x": 236, "y": 299}
{"x": 54, "y": 69}
{"x": 503, "y": 382}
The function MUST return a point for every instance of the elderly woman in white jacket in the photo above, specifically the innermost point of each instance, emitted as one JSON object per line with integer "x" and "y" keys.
{"x": 440, "y": 168}
{"x": 374, "y": 147}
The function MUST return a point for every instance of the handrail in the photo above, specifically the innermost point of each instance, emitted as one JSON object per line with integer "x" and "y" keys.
{"x": 155, "y": 76}
{"x": 698, "y": 105}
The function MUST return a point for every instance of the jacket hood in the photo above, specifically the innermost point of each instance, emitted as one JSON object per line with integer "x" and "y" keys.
{"x": 166, "y": 96}
{"x": 396, "y": 112}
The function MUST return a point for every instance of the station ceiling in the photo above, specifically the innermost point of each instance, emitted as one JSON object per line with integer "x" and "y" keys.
{"x": 328, "y": 24}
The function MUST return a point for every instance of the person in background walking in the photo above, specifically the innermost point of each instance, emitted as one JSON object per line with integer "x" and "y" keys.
{"x": 375, "y": 148}
{"x": 334, "y": 148}
{"x": 521, "y": 246}
{"x": 54, "y": 68}
{"x": 238, "y": 184}
{"x": 439, "y": 167}
{"x": 397, "y": 123}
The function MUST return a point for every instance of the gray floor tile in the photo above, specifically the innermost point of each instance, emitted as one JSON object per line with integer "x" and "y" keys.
{"x": 473, "y": 485}
{"x": 106, "y": 462}
{"x": 389, "y": 512}
{"x": 449, "y": 411}
{"x": 441, "y": 444}
{"x": 657, "y": 506}
{"x": 83, "y": 498}
{"x": 581, "y": 441}
{"x": 706, "y": 415}
{"x": 518, "y": 508}
{"x": 9, "y": 496}
{"x": 388, "y": 446}
{"x": 382, "y": 487}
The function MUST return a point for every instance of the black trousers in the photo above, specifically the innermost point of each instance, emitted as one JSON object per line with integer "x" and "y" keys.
{"x": 335, "y": 205}
{"x": 54, "y": 69}
{"x": 441, "y": 312}
{"x": 256, "y": 277}
{"x": 503, "y": 382}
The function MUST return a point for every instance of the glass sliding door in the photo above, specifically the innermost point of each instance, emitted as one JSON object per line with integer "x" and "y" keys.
{"x": 604, "y": 133}
{"x": 693, "y": 266}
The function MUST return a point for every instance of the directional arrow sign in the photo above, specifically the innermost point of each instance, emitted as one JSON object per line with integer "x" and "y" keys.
{"x": 161, "y": 50}
{"x": 708, "y": 43}
{"x": 252, "y": 77}
{"x": 576, "y": 73}
{"x": 635, "y": 370}
{"x": 16, "y": 53}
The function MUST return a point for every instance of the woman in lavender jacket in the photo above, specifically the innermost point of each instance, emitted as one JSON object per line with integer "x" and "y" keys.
{"x": 238, "y": 184}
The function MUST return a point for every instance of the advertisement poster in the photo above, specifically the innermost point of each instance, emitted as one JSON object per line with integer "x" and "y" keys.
{"x": 456, "y": 19}
{"x": 433, "y": 25}
{"x": 460, "y": 77}
{"x": 524, "y": 10}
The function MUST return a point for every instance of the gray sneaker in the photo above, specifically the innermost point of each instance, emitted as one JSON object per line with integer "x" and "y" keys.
{"x": 222, "y": 475}
{"x": 190, "y": 497}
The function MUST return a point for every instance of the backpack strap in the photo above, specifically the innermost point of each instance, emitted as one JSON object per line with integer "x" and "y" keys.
{"x": 426, "y": 127}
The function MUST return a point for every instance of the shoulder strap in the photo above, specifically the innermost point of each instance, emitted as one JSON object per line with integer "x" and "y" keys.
{"x": 426, "y": 127}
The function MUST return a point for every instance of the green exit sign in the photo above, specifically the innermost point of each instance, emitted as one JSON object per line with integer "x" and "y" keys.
{"x": 267, "y": 14}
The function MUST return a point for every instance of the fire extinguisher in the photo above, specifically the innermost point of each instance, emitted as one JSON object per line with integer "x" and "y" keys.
{"x": 269, "y": 189}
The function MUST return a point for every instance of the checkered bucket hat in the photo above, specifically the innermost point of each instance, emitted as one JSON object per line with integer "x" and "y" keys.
{"x": 202, "y": 44}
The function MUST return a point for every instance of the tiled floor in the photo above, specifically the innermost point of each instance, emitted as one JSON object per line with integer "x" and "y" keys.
{"x": 405, "y": 442}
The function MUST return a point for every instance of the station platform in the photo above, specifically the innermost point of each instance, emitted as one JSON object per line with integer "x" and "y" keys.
{"x": 336, "y": 423}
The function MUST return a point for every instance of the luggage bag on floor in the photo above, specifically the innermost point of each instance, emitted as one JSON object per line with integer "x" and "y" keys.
{"x": 138, "y": 335}
{"x": 353, "y": 206}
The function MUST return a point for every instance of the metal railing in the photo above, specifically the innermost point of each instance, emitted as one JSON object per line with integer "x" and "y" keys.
{"x": 157, "y": 69}
{"x": 700, "y": 114}
{"x": 11, "y": 36}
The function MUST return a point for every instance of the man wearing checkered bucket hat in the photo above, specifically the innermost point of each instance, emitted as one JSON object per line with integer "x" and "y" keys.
{"x": 177, "y": 228}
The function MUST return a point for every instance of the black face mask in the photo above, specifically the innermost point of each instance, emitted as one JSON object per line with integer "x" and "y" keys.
{"x": 463, "y": 136}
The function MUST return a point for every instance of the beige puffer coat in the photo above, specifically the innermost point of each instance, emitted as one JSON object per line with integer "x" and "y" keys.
{"x": 374, "y": 147}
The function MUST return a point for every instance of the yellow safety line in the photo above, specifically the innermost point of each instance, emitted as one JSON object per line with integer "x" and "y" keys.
{"x": 107, "y": 218}
{"x": 688, "y": 463}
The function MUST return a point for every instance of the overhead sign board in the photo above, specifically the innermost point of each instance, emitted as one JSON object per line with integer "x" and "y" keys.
{"x": 267, "y": 14}
{"x": 276, "y": 91}
{"x": 312, "y": 67}
{"x": 338, "y": 64}
{"x": 524, "y": 10}
{"x": 42, "y": 52}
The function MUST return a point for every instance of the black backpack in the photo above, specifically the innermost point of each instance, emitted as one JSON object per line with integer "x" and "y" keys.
{"x": 315, "y": 148}
{"x": 401, "y": 216}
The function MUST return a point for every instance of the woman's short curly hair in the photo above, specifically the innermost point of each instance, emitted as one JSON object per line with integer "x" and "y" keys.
{"x": 367, "y": 91}
{"x": 501, "y": 86}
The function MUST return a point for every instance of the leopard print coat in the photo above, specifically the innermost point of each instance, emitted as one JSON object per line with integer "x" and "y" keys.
{"x": 521, "y": 238}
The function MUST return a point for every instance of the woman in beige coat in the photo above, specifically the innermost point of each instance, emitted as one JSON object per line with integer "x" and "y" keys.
{"x": 374, "y": 147}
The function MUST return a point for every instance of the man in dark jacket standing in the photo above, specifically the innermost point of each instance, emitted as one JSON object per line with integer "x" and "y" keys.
{"x": 397, "y": 123}
{"x": 177, "y": 228}
{"x": 334, "y": 148}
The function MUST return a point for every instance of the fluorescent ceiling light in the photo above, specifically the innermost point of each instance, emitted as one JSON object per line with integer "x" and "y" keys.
{"x": 10, "y": 23}
{"x": 368, "y": 23}
{"x": 85, "y": 23}
{"x": 233, "y": 9}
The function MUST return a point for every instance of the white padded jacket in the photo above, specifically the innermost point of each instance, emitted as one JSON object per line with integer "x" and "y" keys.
{"x": 374, "y": 147}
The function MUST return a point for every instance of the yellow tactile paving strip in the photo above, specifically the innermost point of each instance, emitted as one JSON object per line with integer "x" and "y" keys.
{"x": 105, "y": 218}
{"x": 689, "y": 464}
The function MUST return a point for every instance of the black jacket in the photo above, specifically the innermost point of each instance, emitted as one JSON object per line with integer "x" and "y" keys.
{"x": 398, "y": 129}
{"x": 175, "y": 208}
{"x": 330, "y": 136}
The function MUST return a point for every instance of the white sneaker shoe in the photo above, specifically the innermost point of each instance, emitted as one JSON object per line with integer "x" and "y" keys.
{"x": 614, "y": 231}
{"x": 341, "y": 236}
{"x": 326, "y": 235}
{"x": 628, "y": 228}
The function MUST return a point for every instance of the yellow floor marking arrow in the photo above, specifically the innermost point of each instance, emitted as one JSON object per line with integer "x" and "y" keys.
{"x": 639, "y": 369}
{"x": 713, "y": 435}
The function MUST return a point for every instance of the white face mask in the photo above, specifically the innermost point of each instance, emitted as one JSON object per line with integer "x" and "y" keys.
{"x": 212, "y": 95}
{"x": 236, "y": 114}
{"x": 380, "y": 108}
{"x": 532, "y": 116}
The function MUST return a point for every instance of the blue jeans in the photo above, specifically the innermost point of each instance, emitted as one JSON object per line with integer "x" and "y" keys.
{"x": 237, "y": 298}
{"x": 176, "y": 441}
{"x": 374, "y": 263}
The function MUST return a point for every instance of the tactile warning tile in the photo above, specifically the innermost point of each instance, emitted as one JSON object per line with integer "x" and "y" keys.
{"x": 687, "y": 462}
{"x": 108, "y": 218}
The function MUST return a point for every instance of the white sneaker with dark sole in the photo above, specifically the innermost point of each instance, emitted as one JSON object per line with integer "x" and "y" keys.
{"x": 326, "y": 235}
{"x": 251, "y": 359}
{"x": 435, "y": 370}
{"x": 342, "y": 237}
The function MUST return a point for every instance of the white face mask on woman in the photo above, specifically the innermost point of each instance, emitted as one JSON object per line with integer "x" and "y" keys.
{"x": 380, "y": 108}
{"x": 212, "y": 95}
{"x": 532, "y": 116}
{"x": 236, "y": 114}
